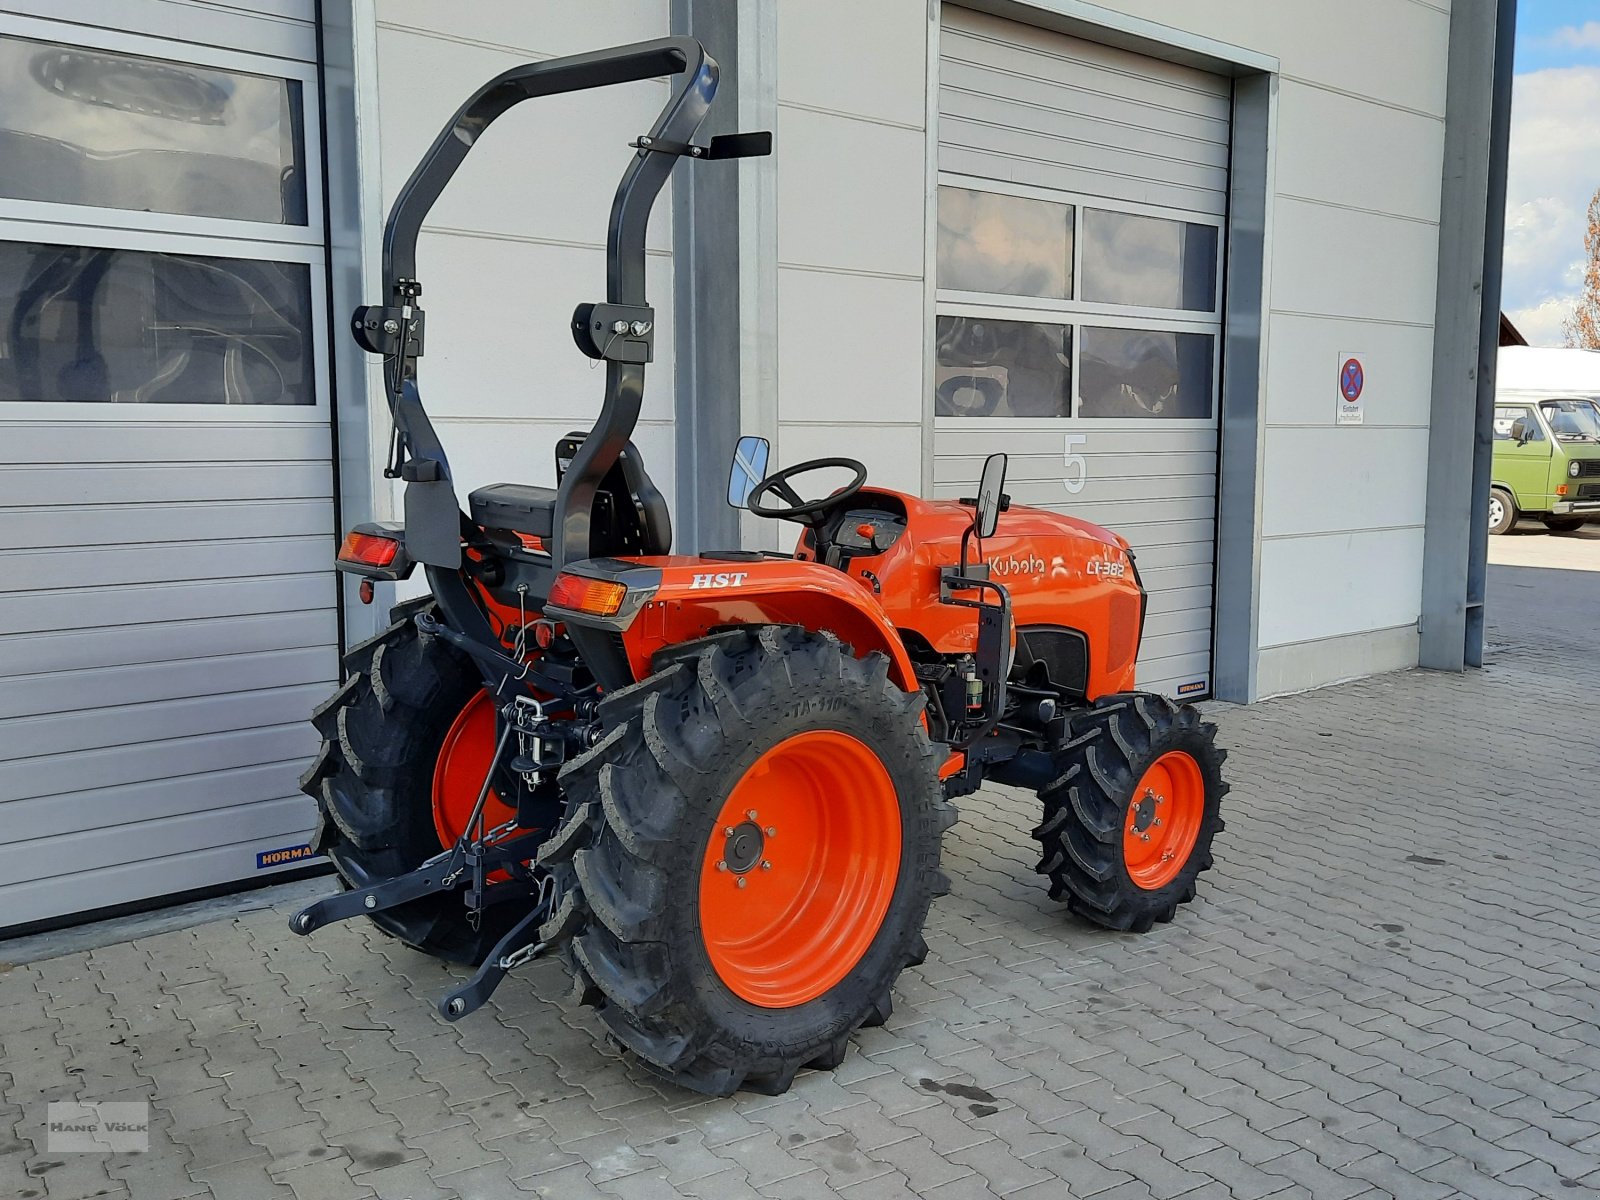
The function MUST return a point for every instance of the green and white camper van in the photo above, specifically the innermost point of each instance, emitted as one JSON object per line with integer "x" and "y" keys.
{"x": 1546, "y": 438}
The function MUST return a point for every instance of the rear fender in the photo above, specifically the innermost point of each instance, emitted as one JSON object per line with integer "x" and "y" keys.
{"x": 696, "y": 596}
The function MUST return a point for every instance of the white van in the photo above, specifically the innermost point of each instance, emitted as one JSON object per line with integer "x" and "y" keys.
{"x": 1546, "y": 438}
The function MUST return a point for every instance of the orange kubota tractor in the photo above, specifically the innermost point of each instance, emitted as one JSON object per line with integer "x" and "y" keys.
{"x": 717, "y": 784}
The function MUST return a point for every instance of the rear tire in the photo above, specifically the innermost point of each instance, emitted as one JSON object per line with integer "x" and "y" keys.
{"x": 1565, "y": 524}
{"x": 1502, "y": 511}
{"x": 1131, "y": 811}
{"x": 641, "y": 859}
{"x": 373, "y": 779}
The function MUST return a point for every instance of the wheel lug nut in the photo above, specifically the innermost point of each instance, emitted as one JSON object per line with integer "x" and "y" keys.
{"x": 765, "y": 865}
{"x": 772, "y": 831}
{"x": 722, "y": 865}
{"x": 739, "y": 882}
{"x": 751, "y": 813}
{"x": 1158, "y": 820}
{"x": 1144, "y": 837}
{"x": 728, "y": 832}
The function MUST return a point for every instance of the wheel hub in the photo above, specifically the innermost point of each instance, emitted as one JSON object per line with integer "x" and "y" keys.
{"x": 743, "y": 846}
{"x": 1144, "y": 812}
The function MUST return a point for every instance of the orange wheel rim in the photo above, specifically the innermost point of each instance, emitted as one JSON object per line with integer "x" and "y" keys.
{"x": 1163, "y": 820}
{"x": 458, "y": 774}
{"x": 800, "y": 869}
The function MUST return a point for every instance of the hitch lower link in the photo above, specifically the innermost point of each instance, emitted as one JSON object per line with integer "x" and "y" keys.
{"x": 465, "y": 867}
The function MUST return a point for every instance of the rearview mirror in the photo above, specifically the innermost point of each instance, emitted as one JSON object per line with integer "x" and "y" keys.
{"x": 991, "y": 495}
{"x": 749, "y": 469}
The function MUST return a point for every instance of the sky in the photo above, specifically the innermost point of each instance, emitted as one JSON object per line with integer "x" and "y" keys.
{"x": 1555, "y": 162}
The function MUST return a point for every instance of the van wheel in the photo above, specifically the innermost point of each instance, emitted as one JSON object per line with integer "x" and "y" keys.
{"x": 1565, "y": 524}
{"x": 1502, "y": 511}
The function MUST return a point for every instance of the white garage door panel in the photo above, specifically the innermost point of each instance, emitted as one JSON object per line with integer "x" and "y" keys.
{"x": 960, "y": 468}
{"x": 1122, "y": 104}
{"x": 954, "y": 440}
{"x": 156, "y": 562}
{"x": 50, "y": 816}
{"x": 1044, "y": 488}
{"x": 68, "y": 733}
{"x": 74, "y": 650}
{"x": 1173, "y": 578}
{"x": 113, "y": 525}
{"x": 1188, "y": 548}
{"x": 1159, "y": 625}
{"x": 152, "y": 877}
{"x": 113, "y": 687}
{"x": 36, "y": 443}
{"x": 167, "y": 592}
{"x": 1159, "y": 646}
{"x": 1178, "y": 537}
{"x": 1118, "y": 515}
{"x": 113, "y": 766}
{"x": 95, "y": 848}
{"x": 1044, "y": 147}
{"x": 41, "y": 612}
{"x": 1033, "y": 107}
{"x": 103, "y": 484}
{"x": 1085, "y": 125}
{"x": 1175, "y": 666}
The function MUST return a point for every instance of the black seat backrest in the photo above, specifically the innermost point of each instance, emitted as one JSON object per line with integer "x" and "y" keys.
{"x": 630, "y": 513}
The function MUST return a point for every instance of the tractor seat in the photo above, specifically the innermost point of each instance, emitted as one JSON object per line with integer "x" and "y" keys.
{"x": 519, "y": 507}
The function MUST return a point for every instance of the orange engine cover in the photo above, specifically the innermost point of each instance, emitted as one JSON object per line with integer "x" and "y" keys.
{"x": 1059, "y": 571}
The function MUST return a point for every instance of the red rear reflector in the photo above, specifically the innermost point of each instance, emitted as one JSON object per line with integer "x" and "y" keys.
{"x": 368, "y": 550}
{"x": 367, "y": 591}
{"x": 600, "y": 597}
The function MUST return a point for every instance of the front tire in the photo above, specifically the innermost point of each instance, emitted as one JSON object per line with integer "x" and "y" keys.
{"x": 1131, "y": 811}
{"x": 749, "y": 857}
{"x": 1502, "y": 511}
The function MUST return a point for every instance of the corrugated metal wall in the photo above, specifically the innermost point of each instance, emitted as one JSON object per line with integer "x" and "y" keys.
{"x": 1135, "y": 152}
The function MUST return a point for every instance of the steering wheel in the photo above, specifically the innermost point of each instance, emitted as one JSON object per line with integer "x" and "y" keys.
{"x": 807, "y": 512}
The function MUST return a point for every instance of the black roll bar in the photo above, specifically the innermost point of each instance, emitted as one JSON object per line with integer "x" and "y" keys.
{"x": 642, "y": 181}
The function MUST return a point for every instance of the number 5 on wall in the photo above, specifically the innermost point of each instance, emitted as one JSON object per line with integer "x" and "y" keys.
{"x": 1076, "y": 462}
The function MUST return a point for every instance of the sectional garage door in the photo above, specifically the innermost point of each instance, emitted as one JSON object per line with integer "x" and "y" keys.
{"x": 1081, "y": 210}
{"x": 166, "y": 484}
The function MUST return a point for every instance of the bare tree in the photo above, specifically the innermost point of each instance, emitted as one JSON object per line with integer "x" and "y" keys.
{"x": 1583, "y": 326}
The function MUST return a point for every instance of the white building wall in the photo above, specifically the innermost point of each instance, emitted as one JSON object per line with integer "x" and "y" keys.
{"x": 1353, "y": 253}
{"x": 517, "y": 240}
{"x": 850, "y": 152}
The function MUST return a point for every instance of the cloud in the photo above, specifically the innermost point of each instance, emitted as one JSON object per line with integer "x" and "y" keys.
{"x": 1577, "y": 37}
{"x": 1544, "y": 324}
{"x": 1554, "y": 170}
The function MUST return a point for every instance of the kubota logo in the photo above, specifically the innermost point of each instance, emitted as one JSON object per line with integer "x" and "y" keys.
{"x": 719, "y": 579}
{"x": 1011, "y": 566}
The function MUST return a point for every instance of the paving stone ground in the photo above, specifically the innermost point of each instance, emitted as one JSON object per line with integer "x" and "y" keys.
{"x": 1387, "y": 987}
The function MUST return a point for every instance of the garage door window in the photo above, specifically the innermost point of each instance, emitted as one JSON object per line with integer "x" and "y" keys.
{"x": 157, "y": 245}
{"x": 1148, "y": 262}
{"x": 90, "y": 126}
{"x": 994, "y": 368}
{"x": 98, "y": 325}
{"x": 1012, "y": 245}
{"x": 1145, "y": 373}
{"x": 1056, "y": 306}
